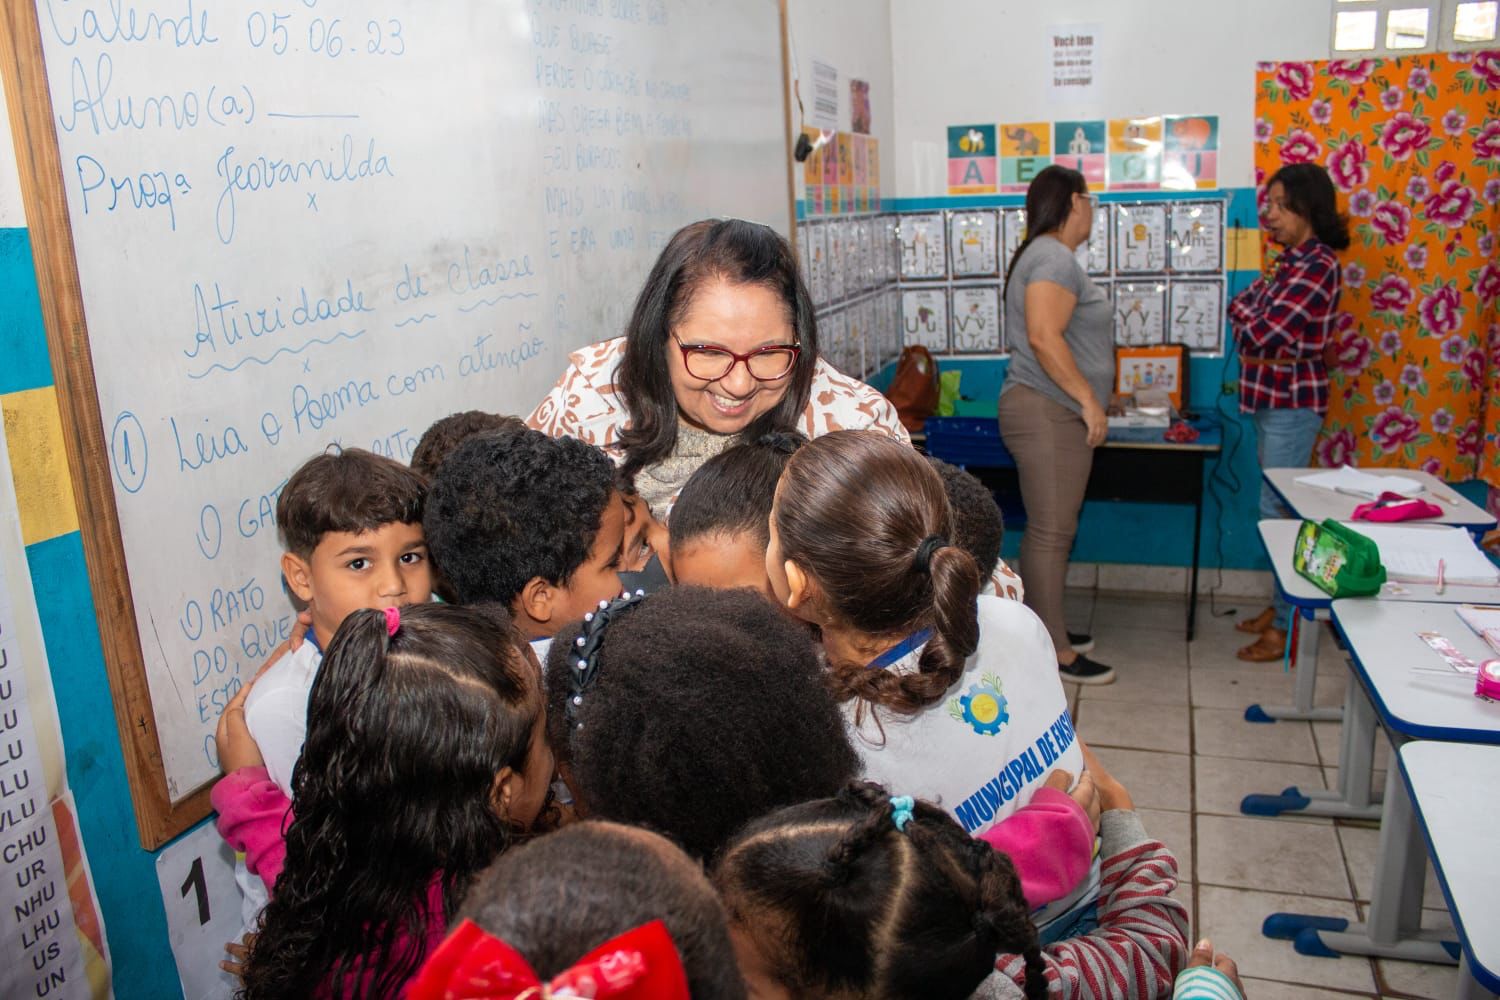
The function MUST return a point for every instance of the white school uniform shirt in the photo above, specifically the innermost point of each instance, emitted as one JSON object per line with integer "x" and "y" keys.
{"x": 984, "y": 750}
{"x": 276, "y": 710}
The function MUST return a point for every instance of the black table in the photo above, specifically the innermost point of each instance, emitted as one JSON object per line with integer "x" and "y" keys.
{"x": 1134, "y": 465}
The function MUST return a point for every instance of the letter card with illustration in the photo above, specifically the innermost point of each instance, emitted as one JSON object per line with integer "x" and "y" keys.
{"x": 924, "y": 318}
{"x": 309, "y": 224}
{"x": 1025, "y": 150}
{"x": 1013, "y": 223}
{"x": 1140, "y": 312}
{"x": 1190, "y": 153}
{"x": 973, "y": 242}
{"x": 1093, "y": 256}
{"x": 1135, "y": 146}
{"x": 975, "y": 318}
{"x": 923, "y": 251}
{"x": 1196, "y": 237}
{"x": 1197, "y": 314}
{"x": 971, "y": 159}
{"x": 1080, "y": 146}
{"x": 1140, "y": 238}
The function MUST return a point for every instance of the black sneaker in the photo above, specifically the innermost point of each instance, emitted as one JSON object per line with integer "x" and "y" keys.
{"x": 1086, "y": 671}
{"x": 1081, "y": 642}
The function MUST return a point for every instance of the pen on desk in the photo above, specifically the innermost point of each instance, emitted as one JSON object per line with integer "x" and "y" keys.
{"x": 1442, "y": 568}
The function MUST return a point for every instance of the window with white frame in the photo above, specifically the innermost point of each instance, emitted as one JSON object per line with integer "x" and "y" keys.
{"x": 1396, "y": 27}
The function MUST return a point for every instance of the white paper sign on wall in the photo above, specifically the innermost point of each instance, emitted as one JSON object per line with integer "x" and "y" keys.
{"x": 203, "y": 910}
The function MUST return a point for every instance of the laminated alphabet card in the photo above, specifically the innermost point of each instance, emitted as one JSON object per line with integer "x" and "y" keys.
{"x": 976, "y": 319}
{"x": 1014, "y": 228}
{"x": 973, "y": 242}
{"x": 1093, "y": 256}
{"x": 1025, "y": 149}
{"x": 923, "y": 254}
{"x": 1140, "y": 238}
{"x": 1190, "y": 155}
{"x": 1196, "y": 237}
{"x": 1080, "y": 145}
{"x": 971, "y": 159}
{"x": 1135, "y": 146}
{"x": 1197, "y": 314}
{"x": 924, "y": 318}
{"x": 1140, "y": 312}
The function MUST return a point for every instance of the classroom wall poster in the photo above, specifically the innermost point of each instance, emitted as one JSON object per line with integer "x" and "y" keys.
{"x": 1190, "y": 153}
{"x": 825, "y": 95}
{"x": 833, "y": 236}
{"x": 1135, "y": 149}
{"x": 1013, "y": 224}
{"x": 1141, "y": 238}
{"x": 844, "y": 142}
{"x": 976, "y": 319}
{"x": 872, "y": 165}
{"x": 1025, "y": 149}
{"x": 1080, "y": 145}
{"x": 50, "y": 924}
{"x": 971, "y": 159}
{"x": 974, "y": 242}
{"x": 922, "y": 251}
{"x": 1196, "y": 236}
{"x": 861, "y": 159}
{"x": 859, "y": 106}
{"x": 1196, "y": 314}
{"x": 1093, "y": 256}
{"x": 924, "y": 318}
{"x": 1140, "y": 313}
{"x": 1073, "y": 61}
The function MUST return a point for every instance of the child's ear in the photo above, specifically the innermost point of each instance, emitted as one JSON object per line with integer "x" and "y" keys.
{"x": 800, "y": 588}
{"x": 502, "y": 791}
{"x": 298, "y": 575}
{"x": 538, "y": 599}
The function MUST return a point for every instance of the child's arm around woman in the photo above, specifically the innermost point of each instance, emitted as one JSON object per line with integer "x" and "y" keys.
{"x": 253, "y": 812}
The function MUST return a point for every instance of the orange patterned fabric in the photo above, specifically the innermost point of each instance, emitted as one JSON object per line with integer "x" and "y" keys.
{"x": 1413, "y": 146}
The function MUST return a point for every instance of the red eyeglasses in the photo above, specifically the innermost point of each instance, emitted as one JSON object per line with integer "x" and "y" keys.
{"x": 765, "y": 364}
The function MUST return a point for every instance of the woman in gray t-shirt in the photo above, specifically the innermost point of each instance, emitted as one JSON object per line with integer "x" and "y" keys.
{"x": 1062, "y": 365}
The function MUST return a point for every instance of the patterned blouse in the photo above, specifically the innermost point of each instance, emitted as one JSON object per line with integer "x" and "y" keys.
{"x": 585, "y": 404}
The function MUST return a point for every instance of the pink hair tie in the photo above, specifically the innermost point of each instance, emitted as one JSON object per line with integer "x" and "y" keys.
{"x": 392, "y": 620}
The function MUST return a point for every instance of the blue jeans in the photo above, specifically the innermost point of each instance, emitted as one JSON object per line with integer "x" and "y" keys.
{"x": 1284, "y": 439}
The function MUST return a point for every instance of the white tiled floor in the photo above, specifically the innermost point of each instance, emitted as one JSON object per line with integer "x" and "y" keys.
{"x": 1172, "y": 729}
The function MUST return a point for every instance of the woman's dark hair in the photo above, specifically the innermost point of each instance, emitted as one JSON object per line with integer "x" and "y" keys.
{"x": 978, "y": 526}
{"x": 707, "y": 710}
{"x": 839, "y": 902}
{"x": 1310, "y": 194}
{"x": 731, "y": 250}
{"x": 856, "y": 510}
{"x": 1049, "y": 201}
{"x": 405, "y": 735}
{"x": 561, "y": 896}
{"x": 731, "y": 493}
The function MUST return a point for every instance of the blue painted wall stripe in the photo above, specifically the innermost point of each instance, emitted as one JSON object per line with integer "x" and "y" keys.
{"x": 23, "y": 340}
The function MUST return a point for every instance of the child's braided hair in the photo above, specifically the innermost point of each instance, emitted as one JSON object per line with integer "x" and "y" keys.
{"x": 840, "y": 901}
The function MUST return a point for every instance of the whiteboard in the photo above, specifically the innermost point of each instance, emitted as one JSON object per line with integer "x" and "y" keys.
{"x": 317, "y": 222}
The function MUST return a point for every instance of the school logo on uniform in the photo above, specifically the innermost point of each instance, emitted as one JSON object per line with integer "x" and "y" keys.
{"x": 982, "y": 708}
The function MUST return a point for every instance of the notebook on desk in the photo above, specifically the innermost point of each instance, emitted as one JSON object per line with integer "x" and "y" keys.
{"x": 1356, "y": 482}
{"x": 1413, "y": 555}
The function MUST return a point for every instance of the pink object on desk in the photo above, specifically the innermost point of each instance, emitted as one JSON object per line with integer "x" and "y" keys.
{"x": 1395, "y": 507}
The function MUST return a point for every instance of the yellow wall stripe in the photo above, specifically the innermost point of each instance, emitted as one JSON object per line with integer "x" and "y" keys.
{"x": 1241, "y": 249}
{"x": 44, "y": 491}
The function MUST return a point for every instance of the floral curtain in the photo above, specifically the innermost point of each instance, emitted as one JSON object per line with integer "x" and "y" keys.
{"x": 1413, "y": 144}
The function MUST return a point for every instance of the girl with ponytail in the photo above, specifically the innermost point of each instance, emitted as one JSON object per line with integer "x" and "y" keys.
{"x": 425, "y": 759}
{"x": 869, "y": 897}
{"x": 948, "y": 695}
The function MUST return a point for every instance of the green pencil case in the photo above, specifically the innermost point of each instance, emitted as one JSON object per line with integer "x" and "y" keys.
{"x": 1338, "y": 560}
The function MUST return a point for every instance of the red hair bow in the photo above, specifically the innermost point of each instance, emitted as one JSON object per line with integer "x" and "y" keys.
{"x": 472, "y": 964}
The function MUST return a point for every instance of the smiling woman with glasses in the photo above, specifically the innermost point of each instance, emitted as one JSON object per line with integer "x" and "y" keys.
{"x": 722, "y": 346}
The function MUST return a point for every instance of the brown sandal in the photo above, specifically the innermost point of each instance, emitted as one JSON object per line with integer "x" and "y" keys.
{"x": 1270, "y": 646}
{"x": 1258, "y": 624}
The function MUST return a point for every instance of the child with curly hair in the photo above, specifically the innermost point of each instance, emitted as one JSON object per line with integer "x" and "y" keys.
{"x": 591, "y": 897}
{"x": 694, "y": 711}
{"x": 425, "y": 758}
{"x": 534, "y": 523}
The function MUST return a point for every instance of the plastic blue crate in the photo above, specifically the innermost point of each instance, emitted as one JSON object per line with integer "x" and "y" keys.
{"x": 968, "y": 442}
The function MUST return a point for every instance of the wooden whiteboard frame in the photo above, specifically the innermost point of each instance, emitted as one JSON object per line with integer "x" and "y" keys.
{"x": 24, "y": 73}
{"x": 44, "y": 197}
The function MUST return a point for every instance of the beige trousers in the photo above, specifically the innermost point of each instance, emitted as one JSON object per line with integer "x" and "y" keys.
{"x": 1053, "y": 459}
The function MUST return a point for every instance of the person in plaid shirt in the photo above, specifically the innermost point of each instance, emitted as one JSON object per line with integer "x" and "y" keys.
{"x": 1282, "y": 323}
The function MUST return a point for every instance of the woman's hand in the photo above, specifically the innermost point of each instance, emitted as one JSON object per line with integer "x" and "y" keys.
{"x": 1096, "y": 420}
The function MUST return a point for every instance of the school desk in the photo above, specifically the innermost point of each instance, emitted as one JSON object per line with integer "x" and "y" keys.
{"x": 1313, "y": 503}
{"x": 1415, "y": 697}
{"x": 1456, "y": 790}
{"x": 1134, "y": 465}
